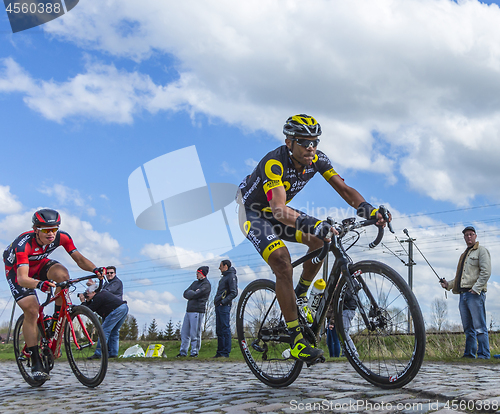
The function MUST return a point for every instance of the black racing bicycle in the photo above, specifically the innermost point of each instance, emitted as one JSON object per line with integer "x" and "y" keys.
{"x": 383, "y": 339}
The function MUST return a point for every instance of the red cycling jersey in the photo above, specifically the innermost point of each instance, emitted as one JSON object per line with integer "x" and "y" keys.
{"x": 25, "y": 251}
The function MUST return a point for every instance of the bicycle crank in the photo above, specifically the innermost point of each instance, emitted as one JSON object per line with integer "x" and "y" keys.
{"x": 320, "y": 359}
{"x": 47, "y": 358}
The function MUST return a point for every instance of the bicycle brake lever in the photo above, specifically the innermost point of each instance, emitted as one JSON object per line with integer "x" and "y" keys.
{"x": 385, "y": 214}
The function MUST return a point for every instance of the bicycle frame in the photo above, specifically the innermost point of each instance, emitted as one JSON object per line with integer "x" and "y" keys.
{"x": 54, "y": 343}
{"x": 340, "y": 268}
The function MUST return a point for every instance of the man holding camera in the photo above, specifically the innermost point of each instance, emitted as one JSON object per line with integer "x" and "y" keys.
{"x": 113, "y": 311}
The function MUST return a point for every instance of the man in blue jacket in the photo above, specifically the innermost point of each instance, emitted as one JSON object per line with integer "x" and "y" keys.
{"x": 197, "y": 295}
{"x": 226, "y": 292}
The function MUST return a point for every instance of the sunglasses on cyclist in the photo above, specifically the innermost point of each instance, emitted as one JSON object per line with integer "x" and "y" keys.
{"x": 307, "y": 143}
{"x": 47, "y": 230}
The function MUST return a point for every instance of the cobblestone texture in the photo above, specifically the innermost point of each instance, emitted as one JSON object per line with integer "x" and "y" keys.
{"x": 224, "y": 387}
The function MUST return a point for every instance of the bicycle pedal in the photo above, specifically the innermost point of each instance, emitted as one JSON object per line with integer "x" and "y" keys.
{"x": 320, "y": 359}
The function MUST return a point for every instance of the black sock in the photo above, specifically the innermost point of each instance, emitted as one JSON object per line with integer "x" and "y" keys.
{"x": 35, "y": 355}
{"x": 295, "y": 331}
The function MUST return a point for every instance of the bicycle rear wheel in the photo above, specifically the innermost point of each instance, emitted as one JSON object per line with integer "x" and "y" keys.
{"x": 258, "y": 318}
{"x": 23, "y": 359}
{"x": 87, "y": 330}
{"x": 389, "y": 352}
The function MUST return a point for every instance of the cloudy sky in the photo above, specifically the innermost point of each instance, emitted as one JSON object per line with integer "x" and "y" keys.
{"x": 407, "y": 94}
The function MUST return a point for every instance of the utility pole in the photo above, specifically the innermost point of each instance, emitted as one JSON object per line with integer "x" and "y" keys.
{"x": 410, "y": 265}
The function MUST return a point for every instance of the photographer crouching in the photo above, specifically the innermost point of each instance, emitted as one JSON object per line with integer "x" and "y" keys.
{"x": 113, "y": 312}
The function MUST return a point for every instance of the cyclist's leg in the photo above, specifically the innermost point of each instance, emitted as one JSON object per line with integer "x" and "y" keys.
{"x": 280, "y": 262}
{"x": 28, "y": 302}
{"x": 29, "y": 305}
{"x": 55, "y": 271}
{"x": 309, "y": 269}
{"x": 265, "y": 232}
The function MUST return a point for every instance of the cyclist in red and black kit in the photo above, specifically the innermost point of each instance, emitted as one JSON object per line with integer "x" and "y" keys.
{"x": 266, "y": 220}
{"x": 28, "y": 267}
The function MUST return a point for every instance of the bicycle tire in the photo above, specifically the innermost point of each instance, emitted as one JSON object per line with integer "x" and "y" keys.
{"x": 23, "y": 361}
{"x": 90, "y": 372}
{"x": 257, "y": 308}
{"x": 391, "y": 354}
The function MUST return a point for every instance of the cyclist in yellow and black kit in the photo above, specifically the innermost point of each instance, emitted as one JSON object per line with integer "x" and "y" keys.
{"x": 266, "y": 220}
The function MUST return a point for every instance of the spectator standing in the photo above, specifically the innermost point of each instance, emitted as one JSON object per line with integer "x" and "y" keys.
{"x": 226, "y": 292}
{"x": 197, "y": 295}
{"x": 348, "y": 312}
{"x": 473, "y": 272}
{"x": 112, "y": 310}
{"x": 332, "y": 339}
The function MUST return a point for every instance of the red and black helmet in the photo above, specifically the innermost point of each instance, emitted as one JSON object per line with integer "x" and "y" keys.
{"x": 46, "y": 217}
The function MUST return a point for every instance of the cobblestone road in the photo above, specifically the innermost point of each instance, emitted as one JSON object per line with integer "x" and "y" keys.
{"x": 225, "y": 387}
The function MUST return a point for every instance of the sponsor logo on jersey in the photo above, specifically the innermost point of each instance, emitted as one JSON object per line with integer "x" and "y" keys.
{"x": 23, "y": 240}
{"x": 11, "y": 258}
{"x": 38, "y": 257}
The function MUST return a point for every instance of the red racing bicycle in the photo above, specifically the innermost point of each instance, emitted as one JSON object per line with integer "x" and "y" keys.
{"x": 81, "y": 330}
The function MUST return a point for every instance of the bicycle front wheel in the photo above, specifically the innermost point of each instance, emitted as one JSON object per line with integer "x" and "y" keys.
{"x": 22, "y": 356}
{"x": 389, "y": 350}
{"x": 258, "y": 320}
{"x": 81, "y": 336}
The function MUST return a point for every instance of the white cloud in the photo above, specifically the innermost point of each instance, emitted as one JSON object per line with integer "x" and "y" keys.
{"x": 247, "y": 274}
{"x": 251, "y": 162}
{"x": 227, "y": 169}
{"x": 409, "y": 87}
{"x": 150, "y": 304}
{"x": 168, "y": 254}
{"x": 69, "y": 197}
{"x": 102, "y": 92}
{"x": 64, "y": 195}
{"x": 8, "y": 201}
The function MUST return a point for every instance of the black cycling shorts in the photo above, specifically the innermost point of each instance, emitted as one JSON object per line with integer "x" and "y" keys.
{"x": 20, "y": 292}
{"x": 265, "y": 232}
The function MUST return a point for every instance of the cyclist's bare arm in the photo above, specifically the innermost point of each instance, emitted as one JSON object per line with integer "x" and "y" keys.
{"x": 25, "y": 281}
{"x": 351, "y": 196}
{"x": 282, "y": 212}
{"x": 84, "y": 263}
{"x": 279, "y": 208}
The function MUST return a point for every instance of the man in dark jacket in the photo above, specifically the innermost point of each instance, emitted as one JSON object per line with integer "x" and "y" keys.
{"x": 197, "y": 295}
{"x": 226, "y": 292}
{"x": 113, "y": 312}
{"x": 112, "y": 284}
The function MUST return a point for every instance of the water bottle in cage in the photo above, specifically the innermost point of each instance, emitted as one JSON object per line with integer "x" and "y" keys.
{"x": 47, "y": 323}
{"x": 316, "y": 295}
